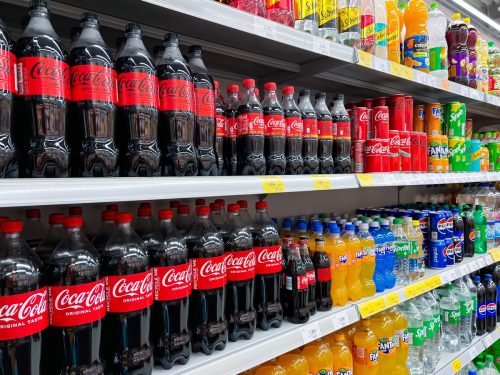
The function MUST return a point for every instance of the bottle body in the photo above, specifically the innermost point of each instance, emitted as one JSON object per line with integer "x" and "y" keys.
{"x": 438, "y": 48}
{"x": 275, "y": 129}
{"x": 416, "y": 43}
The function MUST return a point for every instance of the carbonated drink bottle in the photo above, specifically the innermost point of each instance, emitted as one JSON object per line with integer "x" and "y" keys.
{"x": 256, "y": 7}
{"x": 328, "y": 20}
{"x": 311, "y": 275}
{"x": 413, "y": 249}
{"x": 367, "y": 9}
{"x": 106, "y": 231}
{"x": 339, "y": 260}
{"x": 491, "y": 303}
{"x": 220, "y": 130}
{"x": 390, "y": 253}
{"x": 349, "y": 23}
{"x": 306, "y": 16}
{"x": 341, "y": 136}
{"x": 250, "y": 133}
{"x": 78, "y": 211}
{"x": 365, "y": 353}
{"x": 183, "y": 221}
{"x": 466, "y": 306}
{"x": 244, "y": 215}
{"x": 368, "y": 261}
{"x": 379, "y": 273}
{"x": 383, "y": 327}
{"x": 480, "y": 226}
{"x": 53, "y": 237}
{"x": 342, "y": 357}
{"x": 94, "y": 94}
{"x": 267, "y": 246}
{"x": 296, "y": 287}
{"x": 321, "y": 262}
{"x": 469, "y": 232}
{"x": 481, "y": 306}
{"x": 458, "y": 54}
{"x": 294, "y": 130}
{"x": 168, "y": 259}
{"x": 394, "y": 36}
{"x": 438, "y": 48}
{"x": 473, "y": 292}
{"x": 240, "y": 268}
{"x": 380, "y": 29}
{"x": 471, "y": 47}
{"x": 416, "y": 43}
{"x": 310, "y": 134}
{"x": 280, "y": 11}
{"x": 145, "y": 224}
{"x": 294, "y": 363}
{"x": 21, "y": 343}
{"x": 424, "y": 307}
{"x": 325, "y": 134}
{"x": 416, "y": 338}
{"x": 206, "y": 253}
{"x": 275, "y": 129}
{"x": 401, "y": 341}
{"x": 216, "y": 216}
{"x": 231, "y": 145}
{"x": 44, "y": 92}
{"x": 34, "y": 229}
{"x": 450, "y": 320}
{"x": 137, "y": 111}
{"x": 222, "y": 204}
{"x": 77, "y": 30}
{"x": 402, "y": 248}
{"x": 458, "y": 235}
{"x": 432, "y": 301}
{"x": 176, "y": 129}
{"x": 158, "y": 51}
{"x": 496, "y": 280}
{"x": 77, "y": 304}
{"x": 354, "y": 287}
{"x": 204, "y": 92}
{"x": 125, "y": 345}
{"x": 319, "y": 356}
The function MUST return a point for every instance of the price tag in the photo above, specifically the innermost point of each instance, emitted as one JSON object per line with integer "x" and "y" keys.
{"x": 411, "y": 290}
{"x": 397, "y": 69}
{"x": 310, "y": 332}
{"x": 321, "y": 46}
{"x": 380, "y": 64}
{"x": 265, "y": 28}
{"x": 340, "y": 320}
{"x": 321, "y": 182}
{"x": 366, "y": 179}
{"x": 464, "y": 91}
{"x": 434, "y": 281}
{"x": 488, "y": 340}
{"x": 445, "y": 84}
{"x": 408, "y": 73}
{"x": 488, "y": 259}
{"x": 495, "y": 253}
{"x": 393, "y": 299}
{"x": 365, "y": 59}
{"x": 456, "y": 365}
{"x": 372, "y": 306}
{"x": 420, "y": 77}
{"x": 273, "y": 184}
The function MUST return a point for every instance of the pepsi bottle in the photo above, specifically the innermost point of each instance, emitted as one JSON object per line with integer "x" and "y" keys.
{"x": 310, "y": 133}
{"x": 481, "y": 306}
{"x": 231, "y": 144}
{"x": 294, "y": 130}
{"x": 469, "y": 232}
{"x": 458, "y": 235}
{"x": 274, "y": 122}
{"x": 325, "y": 134}
{"x": 491, "y": 302}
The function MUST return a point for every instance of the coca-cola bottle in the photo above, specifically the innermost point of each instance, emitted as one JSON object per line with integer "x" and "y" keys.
{"x": 321, "y": 262}
{"x": 183, "y": 220}
{"x": 77, "y": 303}
{"x": 231, "y": 145}
{"x": 120, "y": 43}
{"x": 53, "y": 237}
{"x": 44, "y": 92}
{"x": 216, "y": 216}
{"x": 158, "y": 53}
{"x": 78, "y": 211}
{"x": 8, "y": 161}
{"x": 137, "y": 114}
{"x": 206, "y": 254}
{"x": 34, "y": 229}
{"x": 310, "y": 273}
{"x": 244, "y": 215}
{"x": 310, "y": 133}
{"x": 285, "y": 248}
{"x": 93, "y": 92}
{"x": 240, "y": 269}
{"x": 168, "y": 259}
{"x": 341, "y": 136}
{"x": 250, "y": 133}
{"x": 296, "y": 287}
{"x": 125, "y": 343}
{"x": 177, "y": 112}
{"x": 105, "y": 232}
{"x": 145, "y": 224}
{"x": 204, "y": 90}
{"x": 20, "y": 292}
{"x": 267, "y": 247}
{"x": 275, "y": 131}
{"x": 220, "y": 130}
{"x": 325, "y": 134}
{"x": 294, "y": 130}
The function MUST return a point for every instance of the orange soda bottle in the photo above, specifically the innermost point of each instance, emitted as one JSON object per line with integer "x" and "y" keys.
{"x": 270, "y": 370}
{"x": 339, "y": 262}
{"x": 402, "y": 341}
{"x": 354, "y": 289}
{"x": 319, "y": 357}
{"x": 383, "y": 326}
{"x": 342, "y": 356}
{"x": 394, "y": 18}
{"x": 294, "y": 364}
{"x": 368, "y": 261}
{"x": 349, "y": 333}
{"x": 365, "y": 350}
{"x": 416, "y": 43}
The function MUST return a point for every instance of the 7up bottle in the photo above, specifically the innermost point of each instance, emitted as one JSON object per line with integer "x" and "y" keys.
{"x": 450, "y": 320}
{"x": 416, "y": 338}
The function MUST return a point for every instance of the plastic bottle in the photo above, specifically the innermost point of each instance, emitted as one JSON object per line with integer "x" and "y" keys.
{"x": 34, "y": 229}
{"x": 484, "y": 63}
{"x": 416, "y": 338}
{"x": 400, "y": 340}
{"x": 342, "y": 357}
{"x": 341, "y": 136}
{"x": 383, "y": 327}
{"x": 416, "y": 44}
{"x": 480, "y": 225}
{"x": 458, "y": 54}
{"x": 296, "y": 287}
{"x": 339, "y": 259}
{"x": 402, "y": 248}
{"x": 327, "y": 20}
{"x": 438, "y": 47}
{"x": 450, "y": 320}
{"x": 436, "y": 335}
{"x": 402, "y": 29}
{"x": 244, "y": 215}
{"x": 54, "y": 235}
{"x": 493, "y": 69}
{"x": 256, "y": 7}
{"x": 420, "y": 242}
{"x": 280, "y": 11}
{"x": 306, "y": 16}
{"x": 275, "y": 131}
{"x": 158, "y": 50}
{"x": 294, "y": 363}
{"x": 310, "y": 274}
{"x": 458, "y": 235}
{"x": 145, "y": 224}
{"x": 349, "y": 22}
{"x": 310, "y": 134}
{"x": 394, "y": 18}
{"x": 367, "y": 262}
{"x": 365, "y": 353}
{"x": 380, "y": 29}
{"x": 469, "y": 232}
{"x": 413, "y": 242}
{"x": 220, "y": 130}
{"x": 471, "y": 46}
{"x": 491, "y": 302}
{"x": 489, "y": 365}
{"x": 322, "y": 267}
{"x": 294, "y": 130}
{"x": 230, "y": 145}
{"x": 325, "y": 134}
{"x": 353, "y": 244}
{"x": 466, "y": 307}
{"x": 379, "y": 275}
{"x": 428, "y": 319}
{"x": 473, "y": 292}
{"x": 367, "y": 9}
{"x": 481, "y": 306}
{"x": 390, "y": 255}
{"x": 319, "y": 357}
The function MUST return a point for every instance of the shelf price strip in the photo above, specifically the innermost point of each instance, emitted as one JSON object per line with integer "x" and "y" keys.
{"x": 273, "y": 184}
{"x": 372, "y": 306}
{"x": 310, "y": 332}
{"x": 365, "y": 59}
{"x": 366, "y": 179}
{"x": 321, "y": 182}
{"x": 456, "y": 365}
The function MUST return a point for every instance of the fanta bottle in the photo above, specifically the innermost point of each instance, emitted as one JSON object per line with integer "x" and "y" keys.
{"x": 294, "y": 364}
{"x": 394, "y": 18}
{"x": 365, "y": 350}
{"x": 342, "y": 356}
{"x": 401, "y": 341}
{"x": 354, "y": 288}
{"x": 349, "y": 333}
{"x": 270, "y": 370}
{"x": 339, "y": 261}
{"x": 368, "y": 261}
{"x": 416, "y": 44}
{"x": 383, "y": 326}
{"x": 319, "y": 357}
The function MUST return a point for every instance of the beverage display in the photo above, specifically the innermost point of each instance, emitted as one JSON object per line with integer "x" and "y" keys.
{"x": 416, "y": 42}
{"x": 310, "y": 133}
{"x": 458, "y": 53}
{"x": 294, "y": 131}
{"x": 275, "y": 131}
{"x": 306, "y": 16}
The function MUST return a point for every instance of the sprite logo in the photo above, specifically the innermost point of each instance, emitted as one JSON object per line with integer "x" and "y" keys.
{"x": 343, "y": 371}
{"x": 325, "y": 372}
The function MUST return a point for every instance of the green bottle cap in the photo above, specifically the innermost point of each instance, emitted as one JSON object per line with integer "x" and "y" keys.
{"x": 479, "y": 207}
{"x": 402, "y": 6}
{"x": 480, "y": 365}
{"x": 434, "y": 6}
{"x": 491, "y": 43}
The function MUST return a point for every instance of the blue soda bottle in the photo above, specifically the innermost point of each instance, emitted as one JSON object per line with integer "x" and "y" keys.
{"x": 390, "y": 255}
{"x": 379, "y": 276}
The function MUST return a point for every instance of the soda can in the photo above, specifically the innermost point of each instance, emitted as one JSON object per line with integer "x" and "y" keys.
{"x": 382, "y": 101}
{"x": 423, "y": 151}
{"x": 394, "y": 157}
{"x": 415, "y": 151}
{"x": 351, "y": 105}
{"x": 433, "y": 118}
{"x": 386, "y": 161}
{"x": 450, "y": 252}
{"x": 485, "y": 159}
{"x": 468, "y": 128}
{"x": 380, "y": 117}
{"x": 438, "y": 225}
{"x": 368, "y": 103}
{"x": 374, "y": 151}
{"x": 409, "y": 113}
{"x": 456, "y": 149}
{"x": 359, "y": 124}
{"x": 348, "y": 110}
{"x": 358, "y": 156}
{"x": 454, "y": 116}
{"x": 444, "y": 154}
{"x": 463, "y": 116}
{"x": 434, "y": 154}
{"x": 419, "y": 118}
{"x": 494, "y": 156}
{"x": 437, "y": 254}
{"x": 405, "y": 151}
{"x": 396, "y": 104}
{"x": 369, "y": 127}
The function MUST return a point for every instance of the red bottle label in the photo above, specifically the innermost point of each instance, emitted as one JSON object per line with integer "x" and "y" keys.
{"x": 324, "y": 274}
{"x": 7, "y": 71}
{"x": 269, "y": 259}
{"x": 176, "y": 95}
{"x": 250, "y": 124}
{"x": 232, "y": 127}
{"x": 173, "y": 282}
{"x": 135, "y": 88}
{"x": 23, "y": 314}
{"x": 240, "y": 265}
{"x": 279, "y": 4}
{"x": 302, "y": 282}
{"x": 294, "y": 127}
{"x": 93, "y": 82}
{"x": 205, "y": 102}
{"x": 310, "y": 128}
{"x": 38, "y": 76}
{"x": 311, "y": 276}
{"x": 76, "y": 305}
{"x": 209, "y": 273}
{"x": 127, "y": 293}
{"x": 275, "y": 125}
{"x": 221, "y": 125}
{"x": 342, "y": 130}
{"x": 325, "y": 129}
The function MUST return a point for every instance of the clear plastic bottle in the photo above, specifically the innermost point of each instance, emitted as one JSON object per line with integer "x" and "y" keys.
{"x": 436, "y": 339}
{"x": 367, "y": 9}
{"x": 244, "y": 215}
{"x": 34, "y": 229}
{"x": 380, "y": 29}
{"x": 327, "y": 20}
{"x": 471, "y": 46}
{"x": 349, "y": 23}
{"x": 306, "y": 16}
{"x": 416, "y": 337}
{"x": 145, "y": 224}
{"x": 420, "y": 236}
{"x": 425, "y": 309}
{"x": 489, "y": 365}
{"x": 402, "y": 248}
{"x": 216, "y": 215}
{"x": 413, "y": 241}
{"x": 473, "y": 293}
{"x": 450, "y": 320}
{"x": 54, "y": 235}
{"x": 105, "y": 232}
{"x": 438, "y": 48}
{"x": 466, "y": 307}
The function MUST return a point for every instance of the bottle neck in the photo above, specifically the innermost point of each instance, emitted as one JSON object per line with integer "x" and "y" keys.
{"x": 173, "y": 53}
{"x": 294, "y": 254}
{"x": 39, "y": 24}
{"x": 250, "y": 96}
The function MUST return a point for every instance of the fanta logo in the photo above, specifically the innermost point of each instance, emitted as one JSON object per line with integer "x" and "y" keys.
{"x": 442, "y": 226}
{"x": 211, "y": 268}
{"x": 343, "y": 259}
{"x": 35, "y": 305}
{"x": 172, "y": 277}
{"x": 381, "y": 116}
{"x": 267, "y": 256}
{"x": 374, "y": 356}
{"x": 325, "y": 372}
{"x": 135, "y": 288}
{"x": 78, "y": 301}
{"x": 343, "y": 371}
{"x": 421, "y": 114}
{"x": 359, "y": 254}
{"x": 385, "y": 346}
{"x": 436, "y": 112}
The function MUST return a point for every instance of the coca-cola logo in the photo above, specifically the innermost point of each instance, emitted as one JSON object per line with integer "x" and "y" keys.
{"x": 364, "y": 116}
{"x": 404, "y": 142}
{"x": 211, "y": 268}
{"x": 268, "y": 256}
{"x": 221, "y": 122}
{"x": 80, "y": 300}
{"x": 238, "y": 262}
{"x": 207, "y": 98}
{"x": 172, "y": 277}
{"x": 43, "y": 70}
{"x": 257, "y": 121}
{"x": 296, "y": 125}
{"x": 394, "y": 141}
{"x": 97, "y": 78}
{"x": 376, "y": 149}
{"x": 275, "y": 123}
{"x": 33, "y": 306}
{"x": 381, "y": 116}
{"x": 146, "y": 84}
{"x": 122, "y": 288}
{"x": 176, "y": 91}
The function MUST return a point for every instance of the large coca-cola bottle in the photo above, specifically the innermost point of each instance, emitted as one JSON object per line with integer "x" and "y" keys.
{"x": 231, "y": 145}
{"x": 44, "y": 92}
{"x": 206, "y": 308}
{"x": 54, "y": 235}
{"x": 220, "y": 130}
{"x": 168, "y": 258}
{"x": 125, "y": 343}
{"x": 204, "y": 92}
{"x": 177, "y": 112}
{"x": 275, "y": 129}
{"x": 269, "y": 267}
{"x": 23, "y": 303}
{"x": 240, "y": 269}
{"x": 341, "y": 136}
{"x": 137, "y": 114}
{"x": 325, "y": 134}
{"x": 77, "y": 303}
{"x": 294, "y": 130}
{"x": 310, "y": 133}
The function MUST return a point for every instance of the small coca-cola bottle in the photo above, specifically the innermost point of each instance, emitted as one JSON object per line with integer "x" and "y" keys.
{"x": 21, "y": 292}
{"x": 287, "y": 243}
{"x": 137, "y": 113}
{"x": 269, "y": 267}
{"x": 250, "y": 133}
{"x": 177, "y": 112}
{"x": 296, "y": 287}
{"x": 125, "y": 345}
{"x": 240, "y": 269}
{"x": 294, "y": 130}
{"x": 325, "y": 134}
{"x": 341, "y": 136}
{"x": 310, "y": 133}
{"x": 311, "y": 275}
{"x": 94, "y": 94}
{"x": 77, "y": 303}
{"x": 206, "y": 253}
{"x": 53, "y": 237}
{"x": 145, "y": 224}
{"x": 321, "y": 262}
{"x": 275, "y": 130}
{"x": 105, "y": 232}
{"x": 231, "y": 145}
{"x": 168, "y": 259}
{"x": 220, "y": 130}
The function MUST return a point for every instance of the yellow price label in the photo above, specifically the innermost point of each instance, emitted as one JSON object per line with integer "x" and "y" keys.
{"x": 273, "y": 184}
{"x": 366, "y": 179}
{"x": 412, "y": 290}
{"x": 445, "y": 84}
{"x": 397, "y": 69}
{"x": 321, "y": 182}
{"x": 495, "y": 253}
{"x": 408, "y": 73}
{"x": 365, "y": 59}
{"x": 433, "y": 282}
{"x": 372, "y": 306}
{"x": 456, "y": 365}
{"x": 393, "y": 299}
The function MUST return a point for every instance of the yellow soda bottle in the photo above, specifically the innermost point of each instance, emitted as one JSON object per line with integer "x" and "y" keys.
{"x": 349, "y": 333}
{"x": 365, "y": 350}
{"x": 294, "y": 364}
{"x": 383, "y": 326}
{"x": 420, "y": 236}
{"x": 354, "y": 289}
{"x": 401, "y": 342}
{"x": 393, "y": 31}
{"x": 339, "y": 262}
{"x": 319, "y": 357}
{"x": 270, "y": 370}
{"x": 342, "y": 356}
{"x": 368, "y": 261}
{"x": 414, "y": 251}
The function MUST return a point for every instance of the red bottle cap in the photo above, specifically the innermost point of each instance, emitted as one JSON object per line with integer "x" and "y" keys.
{"x": 108, "y": 216}
{"x": 222, "y": 202}
{"x": 214, "y": 207}
{"x": 33, "y": 213}
{"x": 202, "y": 211}
{"x": 175, "y": 204}
{"x": 12, "y": 226}
{"x": 233, "y": 208}
{"x": 183, "y": 209}
{"x": 165, "y": 214}
{"x": 75, "y": 211}
{"x": 261, "y": 205}
{"x": 287, "y": 90}
{"x": 144, "y": 212}
{"x": 112, "y": 207}
{"x": 231, "y": 89}
{"x": 56, "y": 219}
{"x": 145, "y": 204}
{"x": 248, "y": 82}
{"x": 73, "y": 222}
{"x": 199, "y": 202}
{"x": 243, "y": 203}
{"x": 270, "y": 86}
{"x": 123, "y": 217}
{"x": 216, "y": 85}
